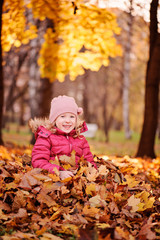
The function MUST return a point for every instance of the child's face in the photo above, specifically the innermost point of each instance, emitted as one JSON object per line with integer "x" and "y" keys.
{"x": 66, "y": 122}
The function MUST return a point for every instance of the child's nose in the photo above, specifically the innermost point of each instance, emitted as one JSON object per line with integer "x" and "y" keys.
{"x": 67, "y": 120}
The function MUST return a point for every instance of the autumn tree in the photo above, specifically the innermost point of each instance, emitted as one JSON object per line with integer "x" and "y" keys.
{"x": 146, "y": 144}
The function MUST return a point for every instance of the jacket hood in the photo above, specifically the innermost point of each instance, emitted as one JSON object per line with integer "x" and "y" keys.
{"x": 36, "y": 123}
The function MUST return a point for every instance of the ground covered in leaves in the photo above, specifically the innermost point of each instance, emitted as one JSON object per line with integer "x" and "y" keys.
{"x": 119, "y": 200}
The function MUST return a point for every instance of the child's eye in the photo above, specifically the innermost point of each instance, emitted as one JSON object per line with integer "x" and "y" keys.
{"x": 62, "y": 116}
{"x": 72, "y": 116}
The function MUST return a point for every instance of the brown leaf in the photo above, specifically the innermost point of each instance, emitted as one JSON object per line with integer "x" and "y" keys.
{"x": 121, "y": 234}
{"x": 41, "y": 231}
{"x": 19, "y": 201}
{"x": 42, "y": 197}
{"x": 4, "y": 216}
{"x": 88, "y": 234}
{"x": 76, "y": 219}
{"x": 91, "y": 174}
{"x": 22, "y": 213}
{"x": 56, "y": 214}
{"x": 4, "y": 173}
{"x": 90, "y": 211}
{"x": 113, "y": 207}
{"x": 5, "y": 206}
{"x": 146, "y": 232}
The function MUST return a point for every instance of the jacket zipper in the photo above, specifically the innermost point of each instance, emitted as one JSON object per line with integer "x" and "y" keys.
{"x": 70, "y": 144}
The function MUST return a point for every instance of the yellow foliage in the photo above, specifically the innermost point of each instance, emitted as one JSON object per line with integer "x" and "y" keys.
{"x": 14, "y": 26}
{"x": 90, "y": 28}
{"x": 81, "y": 39}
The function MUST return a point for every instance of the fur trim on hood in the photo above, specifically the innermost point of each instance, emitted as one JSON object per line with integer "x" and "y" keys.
{"x": 35, "y": 123}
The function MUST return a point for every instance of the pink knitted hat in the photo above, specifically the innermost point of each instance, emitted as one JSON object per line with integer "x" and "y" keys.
{"x": 63, "y": 104}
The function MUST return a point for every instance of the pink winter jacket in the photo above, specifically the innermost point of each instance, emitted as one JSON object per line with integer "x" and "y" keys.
{"x": 48, "y": 145}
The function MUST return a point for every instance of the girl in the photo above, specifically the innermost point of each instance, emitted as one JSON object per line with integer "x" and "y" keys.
{"x": 60, "y": 135}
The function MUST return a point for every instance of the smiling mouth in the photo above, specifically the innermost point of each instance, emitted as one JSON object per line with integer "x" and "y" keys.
{"x": 67, "y": 126}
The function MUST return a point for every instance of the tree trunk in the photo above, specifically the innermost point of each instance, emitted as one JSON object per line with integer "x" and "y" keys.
{"x": 22, "y": 54}
{"x": 159, "y": 120}
{"x": 126, "y": 79}
{"x": 46, "y": 92}
{"x": 85, "y": 97}
{"x": 147, "y": 141}
{"x": 33, "y": 83}
{"x": 1, "y": 77}
{"x": 22, "y": 112}
{"x": 40, "y": 89}
{"x": 106, "y": 129}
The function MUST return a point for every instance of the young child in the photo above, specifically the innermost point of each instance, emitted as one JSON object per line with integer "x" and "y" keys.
{"x": 60, "y": 135}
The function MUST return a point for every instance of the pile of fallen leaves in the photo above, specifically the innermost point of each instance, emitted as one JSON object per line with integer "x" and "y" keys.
{"x": 119, "y": 200}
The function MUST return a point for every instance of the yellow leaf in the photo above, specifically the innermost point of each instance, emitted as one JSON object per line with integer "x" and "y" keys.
{"x": 66, "y": 166}
{"x": 102, "y": 225}
{"x": 66, "y": 179}
{"x": 90, "y": 189}
{"x": 55, "y": 161}
{"x": 130, "y": 181}
{"x": 122, "y": 233}
{"x": 150, "y": 202}
{"x": 90, "y": 211}
{"x": 56, "y": 214}
{"x": 56, "y": 171}
{"x": 141, "y": 206}
{"x": 69, "y": 229}
{"x": 147, "y": 202}
{"x": 41, "y": 231}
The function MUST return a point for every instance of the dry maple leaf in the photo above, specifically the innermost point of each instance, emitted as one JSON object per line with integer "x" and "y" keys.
{"x": 91, "y": 174}
{"x": 90, "y": 189}
{"x": 146, "y": 232}
{"x": 97, "y": 201}
{"x": 147, "y": 202}
{"x": 133, "y": 202}
{"x": 90, "y": 211}
{"x": 70, "y": 160}
{"x": 22, "y": 213}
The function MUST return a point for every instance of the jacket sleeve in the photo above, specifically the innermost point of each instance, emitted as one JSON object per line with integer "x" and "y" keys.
{"x": 41, "y": 155}
{"x": 87, "y": 153}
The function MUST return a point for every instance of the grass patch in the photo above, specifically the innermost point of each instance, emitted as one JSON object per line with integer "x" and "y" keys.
{"x": 20, "y": 135}
{"x": 118, "y": 145}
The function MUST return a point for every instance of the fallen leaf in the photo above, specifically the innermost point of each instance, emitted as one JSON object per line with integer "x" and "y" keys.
{"x": 91, "y": 189}
{"x": 96, "y": 201}
{"x": 133, "y": 202}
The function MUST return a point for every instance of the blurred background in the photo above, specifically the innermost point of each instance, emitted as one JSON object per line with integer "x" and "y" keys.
{"x": 95, "y": 51}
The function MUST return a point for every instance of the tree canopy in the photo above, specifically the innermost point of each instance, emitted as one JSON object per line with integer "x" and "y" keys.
{"x": 82, "y": 36}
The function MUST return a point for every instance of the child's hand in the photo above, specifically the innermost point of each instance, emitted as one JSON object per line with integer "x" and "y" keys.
{"x": 65, "y": 174}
